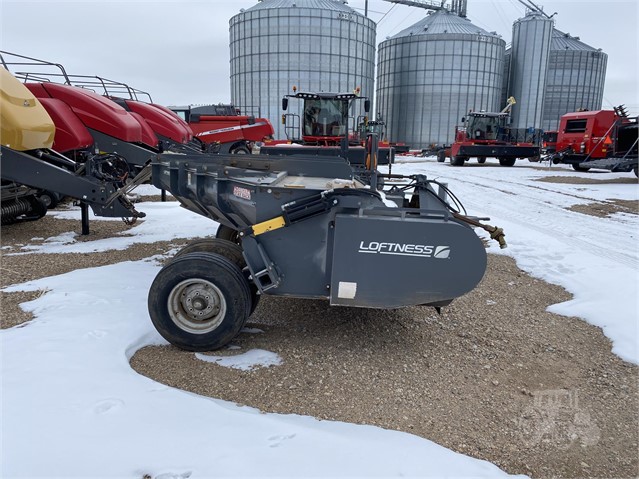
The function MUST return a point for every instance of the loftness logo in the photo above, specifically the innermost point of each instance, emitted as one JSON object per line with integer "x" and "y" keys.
{"x": 405, "y": 249}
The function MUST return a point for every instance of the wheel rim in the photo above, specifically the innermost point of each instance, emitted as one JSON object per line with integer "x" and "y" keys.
{"x": 46, "y": 199}
{"x": 196, "y": 306}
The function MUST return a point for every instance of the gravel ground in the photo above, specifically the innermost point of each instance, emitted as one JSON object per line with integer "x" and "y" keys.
{"x": 495, "y": 376}
{"x": 589, "y": 180}
{"x": 607, "y": 208}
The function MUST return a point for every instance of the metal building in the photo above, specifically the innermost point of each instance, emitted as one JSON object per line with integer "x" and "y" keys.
{"x": 316, "y": 45}
{"x": 530, "y": 52}
{"x": 575, "y": 80}
{"x": 430, "y": 74}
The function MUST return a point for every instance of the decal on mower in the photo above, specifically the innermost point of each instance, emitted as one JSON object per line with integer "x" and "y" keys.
{"x": 404, "y": 249}
{"x": 243, "y": 193}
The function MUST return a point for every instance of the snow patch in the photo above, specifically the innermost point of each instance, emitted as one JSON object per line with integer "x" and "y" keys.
{"x": 253, "y": 359}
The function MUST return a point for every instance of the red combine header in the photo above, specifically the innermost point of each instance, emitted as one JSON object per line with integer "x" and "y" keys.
{"x": 225, "y": 127}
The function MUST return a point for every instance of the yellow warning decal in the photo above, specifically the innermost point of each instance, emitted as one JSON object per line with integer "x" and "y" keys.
{"x": 270, "y": 225}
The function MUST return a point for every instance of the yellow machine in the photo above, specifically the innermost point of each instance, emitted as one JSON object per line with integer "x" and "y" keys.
{"x": 25, "y": 124}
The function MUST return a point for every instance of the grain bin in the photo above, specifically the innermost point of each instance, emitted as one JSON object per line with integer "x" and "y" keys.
{"x": 530, "y": 52}
{"x": 316, "y": 45}
{"x": 430, "y": 74}
{"x": 575, "y": 80}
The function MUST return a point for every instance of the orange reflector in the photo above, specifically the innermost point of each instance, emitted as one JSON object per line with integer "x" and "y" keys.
{"x": 607, "y": 141}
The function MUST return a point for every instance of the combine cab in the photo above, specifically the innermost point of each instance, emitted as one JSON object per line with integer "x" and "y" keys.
{"x": 224, "y": 127}
{"x": 603, "y": 139}
{"x": 326, "y": 128}
{"x": 484, "y": 135}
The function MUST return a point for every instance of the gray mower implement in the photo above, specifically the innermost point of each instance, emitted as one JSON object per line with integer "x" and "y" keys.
{"x": 307, "y": 228}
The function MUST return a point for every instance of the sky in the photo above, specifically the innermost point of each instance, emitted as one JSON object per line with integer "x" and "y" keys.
{"x": 71, "y": 399}
{"x": 178, "y": 51}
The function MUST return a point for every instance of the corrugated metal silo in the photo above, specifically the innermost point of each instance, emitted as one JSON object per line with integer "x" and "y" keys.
{"x": 504, "y": 89}
{"x": 316, "y": 45}
{"x": 430, "y": 74}
{"x": 528, "y": 68}
{"x": 576, "y": 75}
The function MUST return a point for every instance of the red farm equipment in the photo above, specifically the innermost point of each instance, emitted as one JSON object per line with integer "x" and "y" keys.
{"x": 96, "y": 115}
{"x": 225, "y": 128}
{"x": 326, "y": 128}
{"x": 602, "y": 139}
{"x": 29, "y": 165}
{"x": 487, "y": 134}
{"x": 101, "y": 130}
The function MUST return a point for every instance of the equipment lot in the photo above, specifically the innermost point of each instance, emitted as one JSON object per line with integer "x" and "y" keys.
{"x": 496, "y": 376}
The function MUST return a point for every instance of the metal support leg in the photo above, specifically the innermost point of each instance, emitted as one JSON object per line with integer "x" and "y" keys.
{"x": 163, "y": 195}
{"x": 84, "y": 209}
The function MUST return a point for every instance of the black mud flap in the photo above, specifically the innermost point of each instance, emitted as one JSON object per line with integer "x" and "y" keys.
{"x": 395, "y": 261}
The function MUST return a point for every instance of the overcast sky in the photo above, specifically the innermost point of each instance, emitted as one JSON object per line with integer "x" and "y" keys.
{"x": 178, "y": 51}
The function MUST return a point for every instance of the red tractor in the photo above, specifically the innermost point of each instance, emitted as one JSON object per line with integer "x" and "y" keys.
{"x": 604, "y": 139}
{"x": 326, "y": 128}
{"x": 225, "y": 127}
{"x": 487, "y": 134}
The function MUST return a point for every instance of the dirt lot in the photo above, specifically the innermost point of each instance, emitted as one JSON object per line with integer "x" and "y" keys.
{"x": 495, "y": 376}
{"x": 591, "y": 179}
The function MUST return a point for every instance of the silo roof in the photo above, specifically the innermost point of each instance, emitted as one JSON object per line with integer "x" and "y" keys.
{"x": 443, "y": 22}
{"x": 563, "y": 41}
{"x": 335, "y": 5}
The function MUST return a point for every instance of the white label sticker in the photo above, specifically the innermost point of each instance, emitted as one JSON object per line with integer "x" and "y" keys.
{"x": 346, "y": 290}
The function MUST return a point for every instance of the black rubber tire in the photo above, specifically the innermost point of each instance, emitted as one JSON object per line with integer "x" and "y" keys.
{"x": 193, "y": 277}
{"x": 240, "y": 150}
{"x": 581, "y": 169}
{"x": 229, "y": 234}
{"x": 507, "y": 161}
{"x": 481, "y": 160}
{"x": 226, "y": 248}
{"x": 229, "y": 250}
{"x": 49, "y": 198}
{"x": 457, "y": 160}
{"x": 441, "y": 156}
{"x": 38, "y": 209}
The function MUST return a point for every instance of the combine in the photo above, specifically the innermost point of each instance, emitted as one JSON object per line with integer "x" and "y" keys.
{"x": 307, "y": 228}
{"x": 602, "y": 139}
{"x": 484, "y": 135}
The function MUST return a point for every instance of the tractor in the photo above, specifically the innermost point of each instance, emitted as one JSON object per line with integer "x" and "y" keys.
{"x": 487, "y": 134}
